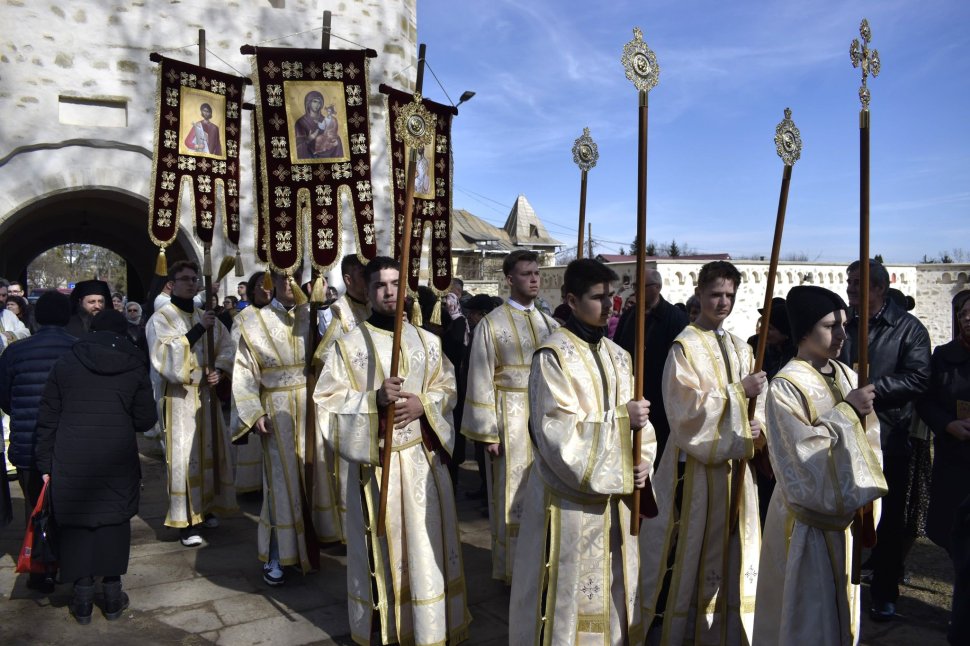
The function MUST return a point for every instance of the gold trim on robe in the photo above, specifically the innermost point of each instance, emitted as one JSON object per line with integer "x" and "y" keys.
{"x": 577, "y": 566}
{"x": 414, "y": 576}
{"x": 827, "y": 465}
{"x": 248, "y": 456}
{"x": 185, "y": 404}
{"x": 711, "y": 575}
{"x": 497, "y": 412}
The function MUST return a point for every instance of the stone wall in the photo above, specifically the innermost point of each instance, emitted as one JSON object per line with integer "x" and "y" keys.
{"x": 933, "y": 286}
{"x": 78, "y": 74}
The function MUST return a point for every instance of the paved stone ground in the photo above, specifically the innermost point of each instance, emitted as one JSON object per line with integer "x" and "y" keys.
{"x": 215, "y": 594}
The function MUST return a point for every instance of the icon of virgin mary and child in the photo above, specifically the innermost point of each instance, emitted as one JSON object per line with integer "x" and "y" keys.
{"x": 317, "y": 131}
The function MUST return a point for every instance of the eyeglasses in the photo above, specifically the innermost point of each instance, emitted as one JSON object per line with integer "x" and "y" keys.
{"x": 133, "y": 311}
{"x": 188, "y": 279}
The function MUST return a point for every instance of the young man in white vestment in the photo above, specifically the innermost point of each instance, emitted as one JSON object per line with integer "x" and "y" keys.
{"x": 824, "y": 447}
{"x": 192, "y": 438}
{"x": 412, "y": 580}
{"x": 269, "y": 388}
{"x": 496, "y": 409}
{"x": 698, "y": 578}
{"x": 345, "y": 314}
{"x": 577, "y": 564}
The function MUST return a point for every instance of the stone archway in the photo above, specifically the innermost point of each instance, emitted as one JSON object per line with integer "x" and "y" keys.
{"x": 108, "y": 217}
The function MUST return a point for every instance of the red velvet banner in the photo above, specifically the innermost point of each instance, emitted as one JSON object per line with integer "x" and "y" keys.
{"x": 432, "y": 189}
{"x": 197, "y": 129}
{"x": 314, "y": 133}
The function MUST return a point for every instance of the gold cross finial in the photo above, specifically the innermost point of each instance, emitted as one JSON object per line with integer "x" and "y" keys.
{"x": 867, "y": 58}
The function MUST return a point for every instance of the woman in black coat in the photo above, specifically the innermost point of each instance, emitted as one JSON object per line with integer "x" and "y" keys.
{"x": 98, "y": 395}
{"x": 946, "y": 410}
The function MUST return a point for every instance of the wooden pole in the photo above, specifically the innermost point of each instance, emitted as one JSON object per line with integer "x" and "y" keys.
{"x": 863, "y": 524}
{"x": 325, "y": 38}
{"x": 641, "y": 320}
{"x": 210, "y": 343}
{"x": 402, "y": 288}
{"x": 737, "y": 483}
{"x": 582, "y": 215}
{"x": 589, "y": 241}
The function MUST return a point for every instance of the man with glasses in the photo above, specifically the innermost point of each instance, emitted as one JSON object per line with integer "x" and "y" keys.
{"x": 663, "y": 323}
{"x": 193, "y": 439}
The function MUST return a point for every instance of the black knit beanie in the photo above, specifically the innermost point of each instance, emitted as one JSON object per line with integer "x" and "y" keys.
{"x": 807, "y": 305}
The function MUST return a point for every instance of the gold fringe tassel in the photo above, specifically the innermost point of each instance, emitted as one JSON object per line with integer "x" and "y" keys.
{"x": 239, "y": 265}
{"x": 416, "y": 319}
{"x": 436, "y": 313}
{"x": 299, "y": 297}
{"x": 161, "y": 264}
{"x": 268, "y": 281}
{"x": 318, "y": 294}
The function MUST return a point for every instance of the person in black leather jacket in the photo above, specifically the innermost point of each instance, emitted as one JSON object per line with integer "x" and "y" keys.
{"x": 899, "y": 368}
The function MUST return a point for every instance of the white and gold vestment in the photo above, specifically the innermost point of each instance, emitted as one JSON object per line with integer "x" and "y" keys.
{"x": 577, "y": 566}
{"x": 497, "y": 412}
{"x": 413, "y": 577}
{"x": 248, "y": 457}
{"x": 713, "y": 573}
{"x": 179, "y": 369}
{"x": 270, "y": 379}
{"x": 346, "y": 315}
{"x": 827, "y": 465}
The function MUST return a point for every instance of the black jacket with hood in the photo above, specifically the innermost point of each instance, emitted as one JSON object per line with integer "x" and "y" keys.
{"x": 97, "y": 397}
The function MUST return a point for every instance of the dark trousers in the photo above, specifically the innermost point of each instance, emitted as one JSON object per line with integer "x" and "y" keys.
{"x": 893, "y": 539}
{"x": 31, "y": 482}
{"x": 960, "y": 553}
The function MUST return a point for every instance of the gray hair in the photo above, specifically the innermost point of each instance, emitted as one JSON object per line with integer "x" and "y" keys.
{"x": 654, "y": 276}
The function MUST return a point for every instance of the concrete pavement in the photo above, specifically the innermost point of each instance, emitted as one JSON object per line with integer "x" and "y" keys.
{"x": 215, "y": 593}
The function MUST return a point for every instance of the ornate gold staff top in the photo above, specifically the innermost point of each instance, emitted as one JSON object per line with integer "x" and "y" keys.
{"x": 585, "y": 154}
{"x": 640, "y": 64}
{"x": 861, "y": 55}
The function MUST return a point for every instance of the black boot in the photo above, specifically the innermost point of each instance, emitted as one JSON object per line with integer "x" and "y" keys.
{"x": 115, "y": 601}
{"x": 83, "y": 602}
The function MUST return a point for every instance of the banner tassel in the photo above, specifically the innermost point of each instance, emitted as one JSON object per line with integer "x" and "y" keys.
{"x": 161, "y": 264}
{"x": 318, "y": 294}
{"x": 239, "y": 265}
{"x": 299, "y": 297}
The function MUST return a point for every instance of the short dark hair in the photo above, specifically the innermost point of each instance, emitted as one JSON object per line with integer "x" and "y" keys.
{"x": 583, "y": 273}
{"x": 517, "y": 256}
{"x": 718, "y": 269}
{"x": 349, "y": 262}
{"x": 377, "y": 263}
{"x": 182, "y": 265}
{"x": 242, "y": 282}
{"x": 459, "y": 282}
{"x": 878, "y": 276}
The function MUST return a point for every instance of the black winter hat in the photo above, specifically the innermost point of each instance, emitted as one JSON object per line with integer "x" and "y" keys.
{"x": 52, "y": 308}
{"x": 807, "y": 305}
{"x": 779, "y": 315}
{"x": 109, "y": 320}
{"x": 480, "y": 303}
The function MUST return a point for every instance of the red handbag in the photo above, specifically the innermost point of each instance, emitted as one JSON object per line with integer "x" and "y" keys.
{"x": 36, "y": 556}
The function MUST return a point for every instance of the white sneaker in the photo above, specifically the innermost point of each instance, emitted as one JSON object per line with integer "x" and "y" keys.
{"x": 273, "y": 573}
{"x": 210, "y": 521}
{"x": 189, "y": 536}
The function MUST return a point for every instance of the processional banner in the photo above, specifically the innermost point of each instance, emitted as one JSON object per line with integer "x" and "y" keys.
{"x": 260, "y": 220}
{"x": 432, "y": 182}
{"x": 314, "y": 134}
{"x": 197, "y": 130}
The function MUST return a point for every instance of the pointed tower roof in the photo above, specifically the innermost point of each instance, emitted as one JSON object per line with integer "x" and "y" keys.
{"x": 525, "y": 228}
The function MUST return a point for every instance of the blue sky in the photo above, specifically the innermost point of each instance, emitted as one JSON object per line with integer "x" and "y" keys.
{"x": 544, "y": 69}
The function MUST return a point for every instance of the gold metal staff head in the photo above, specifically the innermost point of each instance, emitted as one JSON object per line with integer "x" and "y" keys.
{"x": 788, "y": 140}
{"x": 866, "y": 58}
{"x": 585, "y": 151}
{"x": 640, "y": 63}
{"x": 415, "y": 124}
